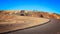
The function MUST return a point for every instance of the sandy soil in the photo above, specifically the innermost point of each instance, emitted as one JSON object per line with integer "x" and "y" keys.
{"x": 19, "y": 22}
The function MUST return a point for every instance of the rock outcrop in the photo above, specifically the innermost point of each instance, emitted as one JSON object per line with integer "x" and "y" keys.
{"x": 30, "y": 13}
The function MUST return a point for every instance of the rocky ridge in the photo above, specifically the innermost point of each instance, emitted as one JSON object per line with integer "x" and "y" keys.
{"x": 30, "y": 13}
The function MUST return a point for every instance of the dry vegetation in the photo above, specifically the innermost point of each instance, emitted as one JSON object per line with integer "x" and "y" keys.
{"x": 28, "y": 13}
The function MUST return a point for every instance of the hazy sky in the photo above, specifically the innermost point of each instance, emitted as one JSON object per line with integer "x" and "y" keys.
{"x": 41, "y": 5}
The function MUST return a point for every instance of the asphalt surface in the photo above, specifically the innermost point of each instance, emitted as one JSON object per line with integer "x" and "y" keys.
{"x": 52, "y": 27}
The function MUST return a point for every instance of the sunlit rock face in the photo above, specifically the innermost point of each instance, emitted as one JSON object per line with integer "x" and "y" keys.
{"x": 30, "y": 13}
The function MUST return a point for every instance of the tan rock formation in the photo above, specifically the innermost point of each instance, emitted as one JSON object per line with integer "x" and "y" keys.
{"x": 31, "y": 13}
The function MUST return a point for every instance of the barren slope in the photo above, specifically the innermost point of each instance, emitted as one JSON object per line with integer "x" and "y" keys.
{"x": 10, "y": 23}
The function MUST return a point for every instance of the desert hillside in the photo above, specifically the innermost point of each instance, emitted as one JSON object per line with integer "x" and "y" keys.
{"x": 19, "y": 19}
{"x": 29, "y": 13}
{"x": 14, "y": 20}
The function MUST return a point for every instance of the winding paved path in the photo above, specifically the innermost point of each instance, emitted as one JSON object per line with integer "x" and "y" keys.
{"x": 53, "y": 27}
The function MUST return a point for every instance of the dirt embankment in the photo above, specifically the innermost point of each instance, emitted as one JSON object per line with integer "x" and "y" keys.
{"x": 30, "y": 13}
{"x": 45, "y": 15}
{"x": 10, "y": 21}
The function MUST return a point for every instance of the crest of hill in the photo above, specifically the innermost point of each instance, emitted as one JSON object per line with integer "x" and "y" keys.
{"x": 30, "y": 13}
